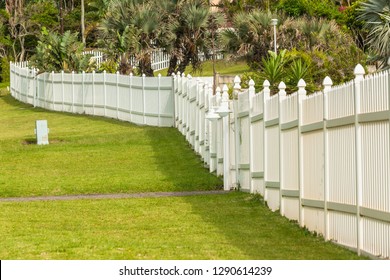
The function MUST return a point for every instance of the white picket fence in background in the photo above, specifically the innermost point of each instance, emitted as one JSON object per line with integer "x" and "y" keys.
{"x": 141, "y": 100}
{"x": 321, "y": 159}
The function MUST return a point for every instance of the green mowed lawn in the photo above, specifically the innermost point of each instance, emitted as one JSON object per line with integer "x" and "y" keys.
{"x": 223, "y": 67}
{"x": 92, "y": 155}
{"x": 227, "y": 226}
{"x": 97, "y": 155}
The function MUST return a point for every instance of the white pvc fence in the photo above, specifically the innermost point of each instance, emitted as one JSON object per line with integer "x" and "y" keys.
{"x": 323, "y": 159}
{"x": 140, "y": 100}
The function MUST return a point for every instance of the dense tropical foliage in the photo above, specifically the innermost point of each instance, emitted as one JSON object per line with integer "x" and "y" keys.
{"x": 319, "y": 37}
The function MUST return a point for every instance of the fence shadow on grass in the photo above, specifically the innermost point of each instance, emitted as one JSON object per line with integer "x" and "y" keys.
{"x": 240, "y": 220}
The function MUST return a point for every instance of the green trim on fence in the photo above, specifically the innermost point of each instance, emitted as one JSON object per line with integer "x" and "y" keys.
{"x": 201, "y": 106}
{"x": 312, "y": 127}
{"x": 220, "y": 160}
{"x": 192, "y": 132}
{"x": 289, "y": 125}
{"x": 375, "y": 214}
{"x": 213, "y": 155}
{"x": 134, "y": 113}
{"x": 257, "y": 118}
{"x": 272, "y": 185}
{"x": 340, "y": 207}
{"x": 207, "y": 148}
{"x": 290, "y": 193}
{"x": 313, "y": 203}
{"x": 243, "y": 114}
{"x": 257, "y": 174}
{"x": 340, "y": 121}
{"x": 141, "y": 87}
{"x": 374, "y": 116}
{"x": 272, "y": 122}
{"x": 201, "y": 143}
{"x": 192, "y": 99}
{"x": 244, "y": 166}
{"x": 197, "y": 137}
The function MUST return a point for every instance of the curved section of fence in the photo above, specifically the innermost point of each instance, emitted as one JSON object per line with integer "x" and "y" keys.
{"x": 140, "y": 100}
{"x": 322, "y": 159}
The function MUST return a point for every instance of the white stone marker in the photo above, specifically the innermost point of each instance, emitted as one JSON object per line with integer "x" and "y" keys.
{"x": 42, "y": 132}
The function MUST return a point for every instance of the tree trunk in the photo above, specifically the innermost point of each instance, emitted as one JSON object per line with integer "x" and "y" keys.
{"x": 172, "y": 65}
{"x": 83, "y": 23}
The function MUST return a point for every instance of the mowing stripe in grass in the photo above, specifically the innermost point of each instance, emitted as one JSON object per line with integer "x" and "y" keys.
{"x": 109, "y": 196}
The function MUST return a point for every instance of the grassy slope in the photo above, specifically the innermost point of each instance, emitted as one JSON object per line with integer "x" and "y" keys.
{"x": 92, "y": 155}
{"x": 103, "y": 156}
{"x": 222, "y": 67}
{"x": 232, "y": 226}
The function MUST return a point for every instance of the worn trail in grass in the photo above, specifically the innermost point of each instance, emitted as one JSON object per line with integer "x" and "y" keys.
{"x": 92, "y": 155}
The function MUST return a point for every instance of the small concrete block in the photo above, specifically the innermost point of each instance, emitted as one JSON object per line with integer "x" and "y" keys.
{"x": 42, "y": 132}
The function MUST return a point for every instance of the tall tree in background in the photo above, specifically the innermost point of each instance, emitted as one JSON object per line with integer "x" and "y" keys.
{"x": 376, "y": 17}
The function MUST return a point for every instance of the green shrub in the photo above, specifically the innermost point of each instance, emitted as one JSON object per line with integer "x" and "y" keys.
{"x": 4, "y": 70}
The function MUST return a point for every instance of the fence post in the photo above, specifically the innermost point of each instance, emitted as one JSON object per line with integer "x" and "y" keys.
{"x": 266, "y": 96}
{"x": 117, "y": 95}
{"x": 131, "y": 96}
{"x": 143, "y": 98}
{"x": 327, "y": 83}
{"x": 44, "y": 91}
{"x": 359, "y": 76}
{"x": 105, "y": 93}
{"x": 197, "y": 116}
{"x": 252, "y": 92}
{"x": 159, "y": 101}
{"x": 282, "y": 95}
{"x": 52, "y": 89}
{"x": 300, "y": 97}
{"x": 72, "y": 91}
{"x": 174, "y": 89}
{"x": 236, "y": 88}
{"x": 93, "y": 92}
{"x": 188, "y": 109}
{"x": 83, "y": 93}
{"x": 226, "y": 142}
{"x": 179, "y": 103}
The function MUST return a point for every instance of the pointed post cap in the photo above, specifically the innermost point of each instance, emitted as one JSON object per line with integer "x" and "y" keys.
{"x": 359, "y": 70}
{"x": 251, "y": 83}
{"x": 183, "y": 74}
{"x": 301, "y": 83}
{"x": 237, "y": 79}
{"x": 159, "y": 75}
{"x": 225, "y": 88}
{"x": 327, "y": 82}
{"x": 282, "y": 86}
{"x": 266, "y": 83}
{"x": 218, "y": 89}
{"x": 189, "y": 76}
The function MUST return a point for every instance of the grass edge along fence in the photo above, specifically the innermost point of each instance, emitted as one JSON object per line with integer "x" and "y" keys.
{"x": 322, "y": 159}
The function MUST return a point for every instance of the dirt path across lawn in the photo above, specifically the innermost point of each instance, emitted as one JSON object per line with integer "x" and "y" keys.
{"x": 108, "y": 196}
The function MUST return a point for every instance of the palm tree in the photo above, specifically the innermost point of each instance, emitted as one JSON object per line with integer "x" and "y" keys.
{"x": 189, "y": 22}
{"x": 250, "y": 36}
{"x": 132, "y": 27}
{"x": 376, "y": 17}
